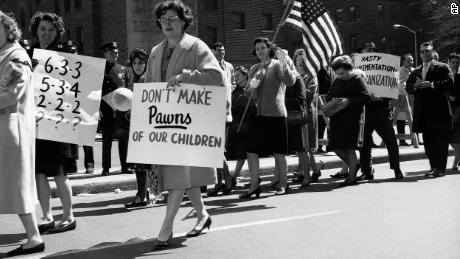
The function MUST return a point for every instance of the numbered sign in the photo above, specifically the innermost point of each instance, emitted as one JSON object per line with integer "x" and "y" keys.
{"x": 182, "y": 127}
{"x": 67, "y": 96}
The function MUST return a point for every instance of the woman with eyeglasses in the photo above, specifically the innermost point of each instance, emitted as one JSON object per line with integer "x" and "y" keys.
{"x": 182, "y": 58}
{"x": 237, "y": 136}
{"x": 267, "y": 132}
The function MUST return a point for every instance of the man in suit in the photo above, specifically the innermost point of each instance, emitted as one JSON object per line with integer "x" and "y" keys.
{"x": 431, "y": 84}
{"x": 378, "y": 119}
{"x": 115, "y": 76}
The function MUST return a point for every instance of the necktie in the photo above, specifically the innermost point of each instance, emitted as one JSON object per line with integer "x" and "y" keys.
{"x": 222, "y": 65}
{"x": 424, "y": 70}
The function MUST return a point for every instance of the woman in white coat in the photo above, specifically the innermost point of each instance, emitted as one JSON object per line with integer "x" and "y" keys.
{"x": 182, "y": 58}
{"x": 18, "y": 193}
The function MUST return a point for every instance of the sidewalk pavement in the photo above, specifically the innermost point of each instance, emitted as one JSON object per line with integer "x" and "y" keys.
{"x": 95, "y": 183}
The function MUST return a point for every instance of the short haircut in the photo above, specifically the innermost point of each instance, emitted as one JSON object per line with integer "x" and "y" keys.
{"x": 53, "y": 18}
{"x": 218, "y": 45}
{"x": 183, "y": 11}
{"x": 344, "y": 62}
{"x": 13, "y": 33}
{"x": 405, "y": 56}
{"x": 454, "y": 55}
{"x": 271, "y": 47}
{"x": 426, "y": 44}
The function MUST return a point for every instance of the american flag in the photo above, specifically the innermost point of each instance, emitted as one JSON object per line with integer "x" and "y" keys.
{"x": 320, "y": 34}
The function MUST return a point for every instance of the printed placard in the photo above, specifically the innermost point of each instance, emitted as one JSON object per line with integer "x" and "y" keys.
{"x": 381, "y": 70}
{"x": 67, "y": 96}
{"x": 182, "y": 126}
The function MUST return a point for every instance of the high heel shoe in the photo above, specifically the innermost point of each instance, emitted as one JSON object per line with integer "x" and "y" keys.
{"x": 216, "y": 190}
{"x": 315, "y": 176}
{"x": 282, "y": 190}
{"x": 26, "y": 251}
{"x": 227, "y": 191}
{"x": 249, "y": 184}
{"x": 197, "y": 231}
{"x": 137, "y": 202}
{"x": 158, "y": 244}
{"x": 248, "y": 194}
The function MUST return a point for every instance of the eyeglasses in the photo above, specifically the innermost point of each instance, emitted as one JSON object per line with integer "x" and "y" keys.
{"x": 165, "y": 20}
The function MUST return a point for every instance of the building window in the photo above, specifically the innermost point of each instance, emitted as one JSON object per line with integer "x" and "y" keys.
{"x": 379, "y": 12}
{"x": 211, "y": 4}
{"x": 267, "y": 22}
{"x": 77, "y": 4}
{"x": 353, "y": 14}
{"x": 354, "y": 41}
{"x": 66, "y": 6}
{"x": 238, "y": 21}
{"x": 57, "y": 7}
{"x": 211, "y": 36}
{"x": 393, "y": 12}
{"x": 339, "y": 15}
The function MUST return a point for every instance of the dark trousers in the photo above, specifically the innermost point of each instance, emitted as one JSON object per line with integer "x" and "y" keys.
{"x": 436, "y": 143}
{"x": 141, "y": 178}
{"x": 378, "y": 119}
{"x": 107, "y": 126}
{"x": 401, "y": 128}
{"x": 89, "y": 156}
{"x": 123, "y": 137}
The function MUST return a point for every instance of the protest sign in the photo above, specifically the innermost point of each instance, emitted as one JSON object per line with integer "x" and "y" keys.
{"x": 381, "y": 73}
{"x": 67, "y": 96}
{"x": 183, "y": 126}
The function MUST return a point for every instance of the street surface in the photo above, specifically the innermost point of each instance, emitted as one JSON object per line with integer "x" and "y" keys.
{"x": 383, "y": 218}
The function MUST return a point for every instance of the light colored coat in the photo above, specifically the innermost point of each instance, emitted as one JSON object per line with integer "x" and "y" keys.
{"x": 194, "y": 60}
{"x": 18, "y": 193}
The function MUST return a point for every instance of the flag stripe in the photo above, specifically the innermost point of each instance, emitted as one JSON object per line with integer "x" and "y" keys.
{"x": 319, "y": 33}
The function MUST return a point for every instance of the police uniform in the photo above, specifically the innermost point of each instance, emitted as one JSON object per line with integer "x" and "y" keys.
{"x": 115, "y": 76}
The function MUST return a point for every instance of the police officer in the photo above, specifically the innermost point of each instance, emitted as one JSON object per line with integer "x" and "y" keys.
{"x": 115, "y": 76}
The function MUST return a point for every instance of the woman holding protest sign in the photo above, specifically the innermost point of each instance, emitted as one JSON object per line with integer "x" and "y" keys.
{"x": 17, "y": 179}
{"x": 52, "y": 157}
{"x": 137, "y": 67}
{"x": 267, "y": 132}
{"x": 348, "y": 95}
{"x": 182, "y": 58}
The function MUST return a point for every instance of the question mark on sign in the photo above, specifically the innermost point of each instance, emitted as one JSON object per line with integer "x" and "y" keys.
{"x": 61, "y": 119}
{"x": 39, "y": 116}
{"x": 76, "y": 121}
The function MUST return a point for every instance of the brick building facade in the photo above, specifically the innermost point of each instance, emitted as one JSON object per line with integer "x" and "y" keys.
{"x": 235, "y": 23}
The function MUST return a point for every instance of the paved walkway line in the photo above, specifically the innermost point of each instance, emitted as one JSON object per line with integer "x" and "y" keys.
{"x": 264, "y": 222}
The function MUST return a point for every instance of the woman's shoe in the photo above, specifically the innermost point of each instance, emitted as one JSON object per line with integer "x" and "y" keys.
{"x": 398, "y": 174}
{"x": 158, "y": 244}
{"x": 282, "y": 190}
{"x": 64, "y": 227}
{"x": 42, "y": 228}
{"x": 340, "y": 175}
{"x": 26, "y": 251}
{"x": 197, "y": 231}
{"x": 249, "y": 184}
{"x": 137, "y": 202}
{"x": 272, "y": 184}
{"x": 227, "y": 190}
{"x": 315, "y": 176}
{"x": 216, "y": 190}
{"x": 248, "y": 195}
{"x": 349, "y": 182}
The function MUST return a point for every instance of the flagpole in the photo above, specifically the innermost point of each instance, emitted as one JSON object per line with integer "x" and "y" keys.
{"x": 283, "y": 18}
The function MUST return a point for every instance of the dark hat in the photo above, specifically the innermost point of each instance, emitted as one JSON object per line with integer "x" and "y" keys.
{"x": 368, "y": 45}
{"x": 25, "y": 44}
{"x": 110, "y": 46}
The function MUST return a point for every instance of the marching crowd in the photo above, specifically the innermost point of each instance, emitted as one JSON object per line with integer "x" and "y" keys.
{"x": 272, "y": 110}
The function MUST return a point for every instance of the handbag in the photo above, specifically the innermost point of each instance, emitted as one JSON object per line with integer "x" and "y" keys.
{"x": 333, "y": 107}
{"x": 297, "y": 118}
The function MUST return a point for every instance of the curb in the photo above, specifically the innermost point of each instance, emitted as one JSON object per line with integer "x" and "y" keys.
{"x": 130, "y": 184}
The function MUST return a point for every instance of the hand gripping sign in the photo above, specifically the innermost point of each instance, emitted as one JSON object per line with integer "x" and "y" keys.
{"x": 381, "y": 73}
{"x": 67, "y": 96}
{"x": 182, "y": 126}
